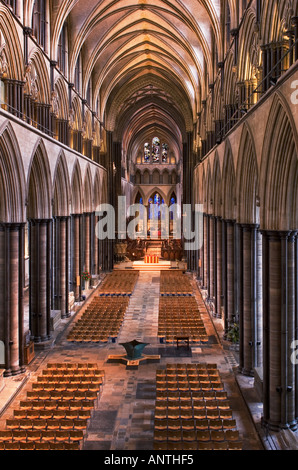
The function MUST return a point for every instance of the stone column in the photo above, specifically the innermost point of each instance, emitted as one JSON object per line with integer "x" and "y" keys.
{"x": 12, "y": 305}
{"x": 205, "y": 253}
{"x": 40, "y": 279}
{"x": 248, "y": 346}
{"x": 280, "y": 324}
{"x": 230, "y": 259}
{"x": 218, "y": 267}
{"x": 87, "y": 245}
{"x": 211, "y": 256}
{"x": 60, "y": 266}
{"x": 75, "y": 255}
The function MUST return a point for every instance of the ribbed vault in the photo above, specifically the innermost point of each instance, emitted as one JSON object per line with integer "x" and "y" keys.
{"x": 146, "y": 61}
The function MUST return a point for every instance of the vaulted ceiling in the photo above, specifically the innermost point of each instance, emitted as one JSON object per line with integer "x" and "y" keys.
{"x": 148, "y": 60}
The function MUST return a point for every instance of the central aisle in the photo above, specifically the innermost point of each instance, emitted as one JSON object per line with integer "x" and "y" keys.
{"x": 141, "y": 318}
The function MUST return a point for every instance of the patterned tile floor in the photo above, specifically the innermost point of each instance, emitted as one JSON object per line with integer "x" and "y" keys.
{"x": 124, "y": 416}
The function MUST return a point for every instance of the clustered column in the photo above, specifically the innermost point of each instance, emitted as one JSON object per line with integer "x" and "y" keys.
{"x": 280, "y": 329}
{"x": 11, "y": 307}
{"x": 40, "y": 279}
{"x": 60, "y": 265}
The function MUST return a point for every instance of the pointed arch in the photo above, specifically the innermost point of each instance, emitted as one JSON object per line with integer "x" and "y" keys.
{"x": 247, "y": 185}
{"x": 39, "y": 184}
{"x": 209, "y": 186}
{"x": 61, "y": 188}
{"x": 217, "y": 188}
{"x": 62, "y": 98}
{"x": 76, "y": 190}
{"x": 13, "y": 49}
{"x": 12, "y": 177}
{"x": 42, "y": 76}
{"x": 97, "y": 190}
{"x": 279, "y": 172}
{"x": 87, "y": 200}
{"x": 228, "y": 185}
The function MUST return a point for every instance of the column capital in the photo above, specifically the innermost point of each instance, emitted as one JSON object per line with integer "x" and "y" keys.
{"x": 61, "y": 217}
{"x": 14, "y": 226}
{"x": 250, "y": 227}
{"x": 277, "y": 235}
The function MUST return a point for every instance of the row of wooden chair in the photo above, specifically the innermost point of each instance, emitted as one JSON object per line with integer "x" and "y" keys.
{"x": 198, "y": 446}
{"x": 180, "y": 318}
{"x": 55, "y": 419}
{"x": 189, "y": 417}
{"x": 52, "y": 424}
{"x": 54, "y": 446}
{"x": 175, "y": 282}
{"x": 51, "y": 414}
{"x": 119, "y": 282}
{"x": 100, "y": 322}
{"x": 178, "y": 423}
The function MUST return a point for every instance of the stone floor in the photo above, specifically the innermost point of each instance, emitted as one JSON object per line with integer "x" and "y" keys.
{"x": 124, "y": 416}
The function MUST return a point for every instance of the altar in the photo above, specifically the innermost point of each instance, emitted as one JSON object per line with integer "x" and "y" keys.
{"x": 151, "y": 259}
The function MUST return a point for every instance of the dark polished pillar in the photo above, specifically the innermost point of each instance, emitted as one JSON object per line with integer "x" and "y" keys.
{"x": 40, "y": 279}
{"x": 230, "y": 273}
{"x": 86, "y": 262}
{"x": 249, "y": 309}
{"x": 76, "y": 256}
{"x": 60, "y": 266}
{"x": 12, "y": 305}
{"x": 212, "y": 258}
{"x": 218, "y": 267}
{"x": 280, "y": 329}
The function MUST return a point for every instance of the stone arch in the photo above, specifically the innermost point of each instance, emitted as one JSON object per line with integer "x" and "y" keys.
{"x": 12, "y": 178}
{"x": 76, "y": 190}
{"x": 12, "y": 45}
{"x": 217, "y": 188}
{"x": 87, "y": 199}
{"x": 37, "y": 61}
{"x": 97, "y": 190}
{"x": 62, "y": 99}
{"x": 61, "y": 188}
{"x": 279, "y": 172}
{"x": 153, "y": 192}
{"x": 155, "y": 177}
{"x": 39, "y": 186}
{"x": 209, "y": 186}
{"x": 228, "y": 185}
{"x": 247, "y": 185}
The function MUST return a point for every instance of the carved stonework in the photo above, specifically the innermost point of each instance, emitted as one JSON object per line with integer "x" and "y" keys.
{"x": 71, "y": 119}
{"x": 55, "y": 104}
{"x": 3, "y": 62}
{"x": 31, "y": 87}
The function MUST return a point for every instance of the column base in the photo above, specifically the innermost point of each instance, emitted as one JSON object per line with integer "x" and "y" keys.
{"x": 246, "y": 372}
{"x": 277, "y": 427}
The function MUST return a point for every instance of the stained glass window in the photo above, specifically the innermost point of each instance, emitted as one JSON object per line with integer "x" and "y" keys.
{"x": 156, "y": 150}
{"x": 147, "y": 153}
{"x": 165, "y": 149}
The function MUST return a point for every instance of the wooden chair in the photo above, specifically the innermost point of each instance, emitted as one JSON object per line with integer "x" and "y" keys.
{"x": 203, "y": 436}
{"x": 34, "y": 436}
{"x": 12, "y": 446}
{"x": 5, "y": 436}
{"x": 217, "y": 446}
{"x": 42, "y": 446}
{"x": 19, "y": 436}
{"x": 235, "y": 446}
{"x": 232, "y": 435}
{"x": 76, "y": 435}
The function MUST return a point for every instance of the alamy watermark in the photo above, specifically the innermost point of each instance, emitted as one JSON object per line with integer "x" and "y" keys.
{"x": 156, "y": 221}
